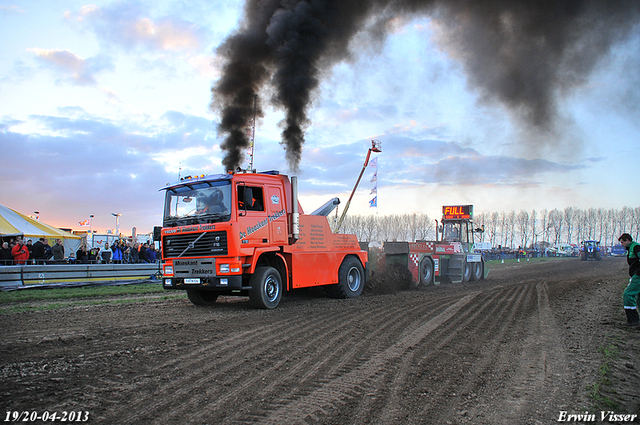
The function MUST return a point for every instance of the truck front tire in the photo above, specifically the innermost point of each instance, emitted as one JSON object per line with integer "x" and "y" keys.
{"x": 350, "y": 280}
{"x": 198, "y": 297}
{"x": 266, "y": 288}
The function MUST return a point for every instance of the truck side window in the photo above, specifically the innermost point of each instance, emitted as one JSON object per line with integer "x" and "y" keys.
{"x": 250, "y": 198}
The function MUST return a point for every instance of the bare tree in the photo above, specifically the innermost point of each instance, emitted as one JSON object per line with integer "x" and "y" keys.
{"x": 522, "y": 221}
{"x": 532, "y": 225}
{"x": 493, "y": 223}
{"x": 569, "y": 215}
{"x": 555, "y": 223}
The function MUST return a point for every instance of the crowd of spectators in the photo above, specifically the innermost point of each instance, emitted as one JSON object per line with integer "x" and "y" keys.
{"x": 17, "y": 251}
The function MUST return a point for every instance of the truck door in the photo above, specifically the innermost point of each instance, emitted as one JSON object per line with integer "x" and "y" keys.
{"x": 277, "y": 215}
{"x": 252, "y": 215}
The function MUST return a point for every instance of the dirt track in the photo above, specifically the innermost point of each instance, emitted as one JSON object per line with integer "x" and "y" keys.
{"x": 517, "y": 348}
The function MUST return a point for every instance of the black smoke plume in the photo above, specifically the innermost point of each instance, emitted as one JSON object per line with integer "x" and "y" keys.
{"x": 523, "y": 54}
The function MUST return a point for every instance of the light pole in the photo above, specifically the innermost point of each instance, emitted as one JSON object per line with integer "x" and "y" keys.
{"x": 117, "y": 216}
{"x": 90, "y": 229}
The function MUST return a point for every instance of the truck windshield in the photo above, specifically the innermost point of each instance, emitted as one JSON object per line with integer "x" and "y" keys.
{"x": 199, "y": 202}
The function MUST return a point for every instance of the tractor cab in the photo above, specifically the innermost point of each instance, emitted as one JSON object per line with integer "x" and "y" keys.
{"x": 457, "y": 226}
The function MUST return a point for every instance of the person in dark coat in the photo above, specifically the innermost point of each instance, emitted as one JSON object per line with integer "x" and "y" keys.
{"x": 6, "y": 259}
{"x": 142, "y": 253}
{"x": 38, "y": 251}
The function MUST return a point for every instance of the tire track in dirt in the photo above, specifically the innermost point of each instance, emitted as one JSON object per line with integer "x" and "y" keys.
{"x": 196, "y": 368}
{"x": 540, "y": 367}
{"x": 336, "y": 358}
{"x": 332, "y": 347}
{"x": 337, "y": 391}
{"x": 477, "y": 317}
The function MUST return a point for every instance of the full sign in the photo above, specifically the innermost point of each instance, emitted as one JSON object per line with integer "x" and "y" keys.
{"x": 457, "y": 212}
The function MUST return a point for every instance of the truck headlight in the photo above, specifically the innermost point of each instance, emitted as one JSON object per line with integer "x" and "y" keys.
{"x": 224, "y": 268}
{"x": 168, "y": 270}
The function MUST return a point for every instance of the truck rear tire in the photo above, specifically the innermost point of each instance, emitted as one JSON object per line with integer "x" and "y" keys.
{"x": 350, "y": 280}
{"x": 198, "y": 297}
{"x": 426, "y": 271}
{"x": 266, "y": 288}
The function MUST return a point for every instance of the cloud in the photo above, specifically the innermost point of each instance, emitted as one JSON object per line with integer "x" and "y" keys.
{"x": 7, "y": 10}
{"x": 124, "y": 24}
{"x": 81, "y": 164}
{"x": 73, "y": 68}
{"x": 409, "y": 161}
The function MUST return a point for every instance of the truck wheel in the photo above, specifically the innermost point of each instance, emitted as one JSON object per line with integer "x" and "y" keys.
{"x": 426, "y": 272}
{"x": 198, "y": 297}
{"x": 477, "y": 270}
{"x": 350, "y": 280}
{"x": 466, "y": 272}
{"x": 266, "y": 288}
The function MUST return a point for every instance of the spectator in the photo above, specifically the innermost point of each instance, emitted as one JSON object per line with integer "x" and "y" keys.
{"x": 47, "y": 250}
{"x": 58, "y": 251}
{"x": 152, "y": 255}
{"x": 82, "y": 256}
{"x": 118, "y": 252}
{"x": 38, "y": 251}
{"x": 6, "y": 259}
{"x": 142, "y": 253}
{"x": 131, "y": 253}
{"x": 93, "y": 255}
{"x": 20, "y": 252}
{"x": 30, "y": 248}
{"x": 106, "y": 254}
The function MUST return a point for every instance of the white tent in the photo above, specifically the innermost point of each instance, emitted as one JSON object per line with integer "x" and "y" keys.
{"x": 13, "y": 223}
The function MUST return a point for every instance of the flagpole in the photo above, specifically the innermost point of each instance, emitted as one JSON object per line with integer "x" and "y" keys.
{"x": 374, "y": 148}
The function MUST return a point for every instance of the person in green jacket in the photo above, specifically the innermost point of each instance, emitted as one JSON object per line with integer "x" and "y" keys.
{"x": 630, "y": 296}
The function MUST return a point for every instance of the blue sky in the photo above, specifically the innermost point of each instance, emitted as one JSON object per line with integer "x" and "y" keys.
{"x": 102, "y": 103}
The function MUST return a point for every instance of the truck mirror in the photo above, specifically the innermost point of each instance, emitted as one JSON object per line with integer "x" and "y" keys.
{"x": 157, "y": 234}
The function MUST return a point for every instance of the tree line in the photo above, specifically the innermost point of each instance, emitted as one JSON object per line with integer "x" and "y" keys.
{"x": 512, "y": 229}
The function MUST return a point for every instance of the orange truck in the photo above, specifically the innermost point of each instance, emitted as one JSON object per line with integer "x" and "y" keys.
{"x": 245, "y": 234}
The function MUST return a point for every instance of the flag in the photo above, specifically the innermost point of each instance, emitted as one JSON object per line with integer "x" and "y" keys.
{"x": 374, "y": 202}
{"x": 374, "y": 162}
{"x": 375, "y": 177}
{"x": 374, "y": 190}
{"x": 86, "y": 222}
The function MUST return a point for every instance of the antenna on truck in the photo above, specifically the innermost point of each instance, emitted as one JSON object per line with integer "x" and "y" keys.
{"x": 253, "y": 131}
{"x": 376, "y": 146}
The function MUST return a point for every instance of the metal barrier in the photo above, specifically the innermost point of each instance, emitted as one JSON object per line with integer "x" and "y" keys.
{"x": 69, "y": 273}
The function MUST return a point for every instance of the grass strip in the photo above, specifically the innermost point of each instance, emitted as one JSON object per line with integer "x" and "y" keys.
{"x": 28, "y": 295}
{"x": 609, "y": 352}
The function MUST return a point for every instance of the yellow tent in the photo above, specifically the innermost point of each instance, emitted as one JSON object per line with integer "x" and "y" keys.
{"x": 13, "y": 223}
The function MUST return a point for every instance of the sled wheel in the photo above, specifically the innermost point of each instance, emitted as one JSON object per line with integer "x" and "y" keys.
{"x": 477, "y": 271}
{"x": 466, "y": 272}
{"x": 426, "y": 271}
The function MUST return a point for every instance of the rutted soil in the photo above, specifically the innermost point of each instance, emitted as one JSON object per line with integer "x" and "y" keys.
{"x": 517, "y": 348}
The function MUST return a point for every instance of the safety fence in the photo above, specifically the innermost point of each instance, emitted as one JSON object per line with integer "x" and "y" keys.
{"x": 75, "y": 274}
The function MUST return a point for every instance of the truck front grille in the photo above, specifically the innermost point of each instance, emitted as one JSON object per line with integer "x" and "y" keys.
{"x": 188, "y": 245}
